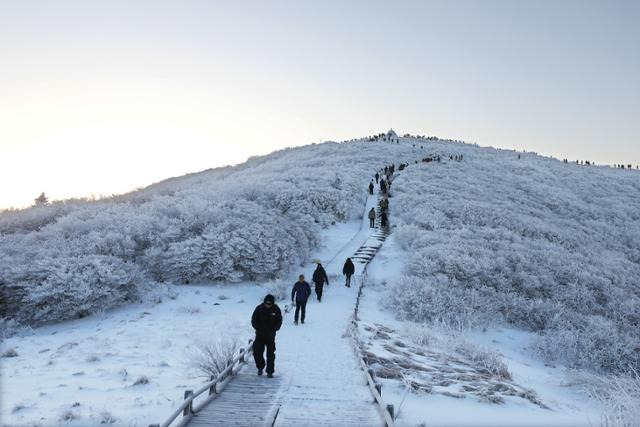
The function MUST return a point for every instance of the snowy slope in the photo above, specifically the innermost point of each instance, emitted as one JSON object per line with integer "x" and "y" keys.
{"x": 543, "y": 255}
{"x": 249, "y": 222}
{"x": 95, "y": 362}
{"x": 458, "y": 392}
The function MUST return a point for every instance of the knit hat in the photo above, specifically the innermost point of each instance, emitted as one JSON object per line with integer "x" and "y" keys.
{"x": 269, "y": 298}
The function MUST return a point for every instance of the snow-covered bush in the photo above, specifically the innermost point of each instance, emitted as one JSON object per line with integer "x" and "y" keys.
{"x": 548, "y": 246}
{"x": 10, "y": 352}
{"x": 212, "y": 357}
{"x": 619, "y": 395}
{"x": 280, "y": 289}
{"x": 141, "y": 380}
{"x": 63, "y": 287}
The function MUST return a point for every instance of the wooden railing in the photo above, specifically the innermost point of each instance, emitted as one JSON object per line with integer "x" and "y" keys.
{"x": 386, "y": 410}
{"x": 215, "y": 385}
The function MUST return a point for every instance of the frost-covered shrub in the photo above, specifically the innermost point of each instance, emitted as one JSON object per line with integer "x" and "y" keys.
{"x": 64, "y": 287}
{"x": 438, "y": 301}
{"x": 10, "y": 352}
{"x": 484, "y": 359}
{"x": 450, "y": 341}
{"x": 107, "y": 417}
{"x": 212, "y": 357}
{"x": 141, "y": 380}
{"x": 618, "y": 394}
{"x": 280, "y": 289}
{"x": 550, "y": 247}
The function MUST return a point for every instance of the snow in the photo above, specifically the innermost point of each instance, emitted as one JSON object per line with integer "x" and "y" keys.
{"x": 504, "y": 254}
{"x": 316, "y": 357}
{"x": 252, "y": 221}
{"x": 96, "y": 361}
{"x": 568, "y": 405}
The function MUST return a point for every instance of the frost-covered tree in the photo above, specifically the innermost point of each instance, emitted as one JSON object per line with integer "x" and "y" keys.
{"x": 41, "y": 199}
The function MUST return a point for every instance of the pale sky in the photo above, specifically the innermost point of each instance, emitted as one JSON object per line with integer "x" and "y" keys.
{"x": 101, "y": 97}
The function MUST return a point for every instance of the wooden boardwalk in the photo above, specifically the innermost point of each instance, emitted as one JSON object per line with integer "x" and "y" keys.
{"x": 304, "y": 395}
{"x": 326, "y": 403}
{"x": 248, "y": 400}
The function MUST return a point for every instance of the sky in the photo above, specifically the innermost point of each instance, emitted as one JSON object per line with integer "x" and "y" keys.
{"x": 98, "y": 97}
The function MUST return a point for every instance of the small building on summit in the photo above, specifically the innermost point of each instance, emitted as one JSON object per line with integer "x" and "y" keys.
{"x": 391, "y": 135}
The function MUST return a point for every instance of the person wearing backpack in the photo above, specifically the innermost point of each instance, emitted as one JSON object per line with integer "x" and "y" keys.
{"x": 319, "y": 279}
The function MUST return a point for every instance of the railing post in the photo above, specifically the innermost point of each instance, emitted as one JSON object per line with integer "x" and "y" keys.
{"x": 242, "y": 356}
{"x": 378, "y": 387}
{"x": 370, "y": 371}
{"x": 230, "y": 363}
{"x": 154, "y": 425}
{"x": 391, "y": 411}
{"x": 212, "y": 389}
{"x": 189, "y": 408}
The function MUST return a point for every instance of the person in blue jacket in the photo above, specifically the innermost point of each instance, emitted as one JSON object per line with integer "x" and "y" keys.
{"x": 301, "y": 291}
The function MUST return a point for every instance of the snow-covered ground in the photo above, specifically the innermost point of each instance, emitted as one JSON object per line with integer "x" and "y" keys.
{"x": 499, "y": 238}
{"x": 85, "y": 371}
{"x": 566, "y": 404}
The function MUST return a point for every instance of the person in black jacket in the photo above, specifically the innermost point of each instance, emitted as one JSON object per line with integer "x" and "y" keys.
{"x": 348, "y": 271}
{"x": 319, "y": 278}
{"x": 384, "y": 220}
{"x": 266, "y": 320}
{"x": 371, "y": 187}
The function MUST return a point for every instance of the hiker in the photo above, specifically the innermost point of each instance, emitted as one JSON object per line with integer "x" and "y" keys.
{"x": 301, "y": 291}
{"x": 348, "y": 271}
{"x": 384, "y": 204}
{"x": 384, "y": 219}
{"x": 266, "y": 320}
{"x": 319, "y": 277}
{"x": 371, "y": 187}
{"x": 377, "y": 177}
{"x": 372, "y": 218}
{"x": 383, "y": 186}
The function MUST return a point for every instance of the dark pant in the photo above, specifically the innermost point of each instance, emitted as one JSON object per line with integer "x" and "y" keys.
{"x": 348, "y": 283}
{"x": 300, "y": 306}
{"x": 262, "y": 341}
{"x": 319, "y": 287}
{"x": 372, "y": 222}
